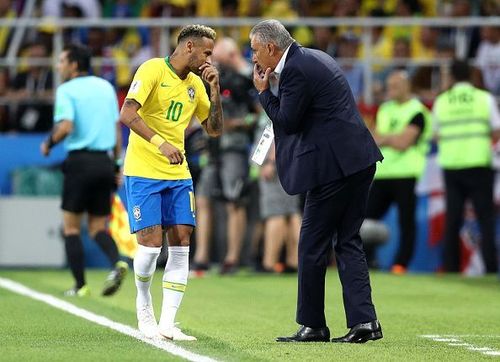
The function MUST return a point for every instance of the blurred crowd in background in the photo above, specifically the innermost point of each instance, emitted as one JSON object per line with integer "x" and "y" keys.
{"x": 221, "y": 168}
{"x": 129, "y": 47}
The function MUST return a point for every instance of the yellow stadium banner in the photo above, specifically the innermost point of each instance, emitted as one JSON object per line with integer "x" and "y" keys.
{"x": 120, "y": 230}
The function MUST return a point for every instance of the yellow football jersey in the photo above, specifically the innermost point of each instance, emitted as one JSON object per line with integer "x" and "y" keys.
{"x": 167, "y": 105}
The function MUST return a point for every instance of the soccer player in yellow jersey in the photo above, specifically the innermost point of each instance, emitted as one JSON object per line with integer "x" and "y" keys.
{"x": 164, "y": 96}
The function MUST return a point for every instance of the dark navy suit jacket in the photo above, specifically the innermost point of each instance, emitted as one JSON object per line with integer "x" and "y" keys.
{"x": 319, "y": 134}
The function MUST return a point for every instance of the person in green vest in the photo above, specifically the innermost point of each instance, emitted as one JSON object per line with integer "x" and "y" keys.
{"x": 402, "y": 132}
{"x": 466, "y": 120}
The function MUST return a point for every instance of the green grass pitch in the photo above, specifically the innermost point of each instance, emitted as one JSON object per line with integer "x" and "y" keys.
{"x": 237, "y": 318}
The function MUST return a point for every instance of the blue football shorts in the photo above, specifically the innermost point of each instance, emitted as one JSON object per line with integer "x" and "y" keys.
{"x": 159, "y": 202}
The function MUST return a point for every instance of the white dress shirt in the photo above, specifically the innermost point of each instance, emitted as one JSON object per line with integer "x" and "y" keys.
{"x": 277, "y": 71}
{"x": 281, "y": 63}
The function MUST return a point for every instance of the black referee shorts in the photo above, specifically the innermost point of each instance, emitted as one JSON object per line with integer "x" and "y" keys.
{"x": 88, "y": 182}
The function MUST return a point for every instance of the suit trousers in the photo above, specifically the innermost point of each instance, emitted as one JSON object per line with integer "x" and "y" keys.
{"x": 336, "y": 209}
{"x": 476, "y": 184}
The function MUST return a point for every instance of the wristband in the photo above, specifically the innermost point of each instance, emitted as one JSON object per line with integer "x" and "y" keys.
{"x": 50, "y": 142}
{"x": 118, "y": 165}
{"x": 157, "y": 140}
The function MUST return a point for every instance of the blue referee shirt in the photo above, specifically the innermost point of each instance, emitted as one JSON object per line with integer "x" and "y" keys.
{"x": 90, "y": 103}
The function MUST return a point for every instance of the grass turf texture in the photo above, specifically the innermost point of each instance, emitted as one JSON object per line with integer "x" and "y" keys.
{"x": 237, "y": 318}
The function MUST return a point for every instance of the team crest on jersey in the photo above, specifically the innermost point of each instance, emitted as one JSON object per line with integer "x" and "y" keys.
{"x": 137, "y": 213}
{"x": 191, "y": 93}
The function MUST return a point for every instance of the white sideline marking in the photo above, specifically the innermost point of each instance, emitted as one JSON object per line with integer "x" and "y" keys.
{"x": 463, "y": 336}
{"x": 456, "y": 342}
{"x": 492, "y": 353}
{"x": 101, "y": 320}
{"x": 480, "y": 349}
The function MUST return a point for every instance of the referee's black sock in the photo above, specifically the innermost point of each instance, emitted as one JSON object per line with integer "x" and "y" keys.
{"x": 108, "y": 245}
{"x": 74, "y": 253}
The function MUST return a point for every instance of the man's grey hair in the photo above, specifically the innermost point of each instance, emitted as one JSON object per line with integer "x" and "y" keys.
{"x": 272, "y": 31}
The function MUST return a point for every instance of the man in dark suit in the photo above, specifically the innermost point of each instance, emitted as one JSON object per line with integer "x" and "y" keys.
{"x": 323, "y": 149}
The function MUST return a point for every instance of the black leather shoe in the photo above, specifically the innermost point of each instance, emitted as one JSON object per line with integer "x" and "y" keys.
{"x": 362, "y": 333}
{"x": 306, "y": 334}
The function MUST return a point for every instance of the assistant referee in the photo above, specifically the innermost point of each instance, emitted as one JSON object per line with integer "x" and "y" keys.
{"x": 86, "y": 115}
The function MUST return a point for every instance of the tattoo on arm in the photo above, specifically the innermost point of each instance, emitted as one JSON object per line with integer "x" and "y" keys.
{"x": 215, "y": 121}
{"x": 131, "y": 103}
{"x": 133, "y": 106}
{"x": 134, "y": 120}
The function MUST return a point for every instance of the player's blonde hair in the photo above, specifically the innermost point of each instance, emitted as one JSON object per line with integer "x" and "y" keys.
{"x": 196, "y": 31}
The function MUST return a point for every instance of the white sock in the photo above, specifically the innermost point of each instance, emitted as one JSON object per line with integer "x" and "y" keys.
{"x": 174, "y": 283}
{"x": 144, "y": 268}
